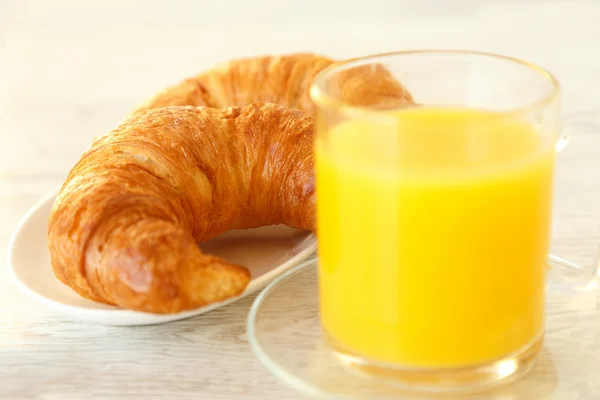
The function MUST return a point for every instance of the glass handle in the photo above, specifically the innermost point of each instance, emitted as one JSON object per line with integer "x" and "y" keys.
{"x": 575, "y": 254}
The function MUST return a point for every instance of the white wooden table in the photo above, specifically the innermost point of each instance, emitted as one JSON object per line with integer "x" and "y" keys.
{"x": 70, "y": 70}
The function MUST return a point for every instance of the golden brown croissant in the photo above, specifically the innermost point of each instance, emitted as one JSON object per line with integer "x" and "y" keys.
{"x": 125, "y": 226}
{"x": 281, "y": 79}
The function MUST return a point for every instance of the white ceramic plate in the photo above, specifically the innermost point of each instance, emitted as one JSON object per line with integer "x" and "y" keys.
{"x": 267, "y": 252}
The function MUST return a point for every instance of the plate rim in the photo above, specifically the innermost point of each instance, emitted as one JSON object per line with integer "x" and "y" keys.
{"x": 258, "y": 350}
{"x": 94, "y": 314}
{"x": 303, "y": 385}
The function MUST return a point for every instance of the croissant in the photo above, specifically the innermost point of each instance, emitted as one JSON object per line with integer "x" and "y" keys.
{"x": 125, "y": 225}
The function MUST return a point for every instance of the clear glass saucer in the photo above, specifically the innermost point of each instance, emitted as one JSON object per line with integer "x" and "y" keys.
{"x": 285, "y": 334}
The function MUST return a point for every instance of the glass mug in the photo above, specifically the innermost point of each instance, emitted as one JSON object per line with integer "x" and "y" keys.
{"x": 434, "y": 212}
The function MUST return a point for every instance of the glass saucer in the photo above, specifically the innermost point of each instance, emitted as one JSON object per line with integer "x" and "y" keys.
{"x": 285, "y": 334}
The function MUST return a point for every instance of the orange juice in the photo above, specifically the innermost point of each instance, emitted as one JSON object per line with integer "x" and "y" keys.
{"x": 433, "y": 236}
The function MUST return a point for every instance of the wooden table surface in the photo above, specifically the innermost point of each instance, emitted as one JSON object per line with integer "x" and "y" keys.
{"x": 70, "y": 70}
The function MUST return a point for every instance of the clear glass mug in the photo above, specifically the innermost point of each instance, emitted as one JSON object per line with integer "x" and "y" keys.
{"x": 434, "y": 211}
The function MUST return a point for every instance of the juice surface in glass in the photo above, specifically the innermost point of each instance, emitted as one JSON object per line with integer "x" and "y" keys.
{"x": 433, "y": 235}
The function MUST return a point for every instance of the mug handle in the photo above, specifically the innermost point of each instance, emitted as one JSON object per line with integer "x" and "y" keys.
{"x": 566, "y": 276}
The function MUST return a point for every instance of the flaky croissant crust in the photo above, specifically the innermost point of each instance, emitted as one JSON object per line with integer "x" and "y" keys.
{"x": 281, "y": 79}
